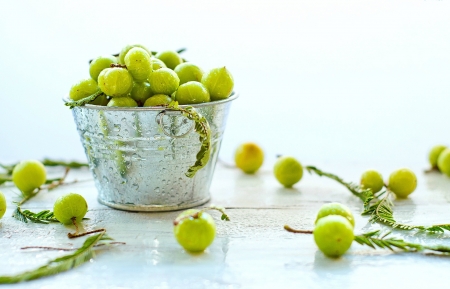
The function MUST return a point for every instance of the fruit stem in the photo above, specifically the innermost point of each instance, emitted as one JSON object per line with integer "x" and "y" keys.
{"x": 45, "y": 248}
{"x": 28, "y": 197}
{"x": 289, "y": 229}
{"x": 196, "y": 215}
{"x": 54, "y": 163}
{"x": 118, "y": 65}
{"x": 77, "y": 234}
{"x": 54, "y": 183}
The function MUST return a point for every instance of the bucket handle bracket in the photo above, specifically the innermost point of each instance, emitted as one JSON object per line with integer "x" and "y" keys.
{"x": 160, "y": 122}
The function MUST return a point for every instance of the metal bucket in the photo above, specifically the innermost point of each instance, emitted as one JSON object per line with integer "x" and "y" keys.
{"x": 139, "y": 156}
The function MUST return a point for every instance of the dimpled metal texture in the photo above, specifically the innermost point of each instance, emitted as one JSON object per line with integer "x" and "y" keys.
{"x": 139, "y": 164}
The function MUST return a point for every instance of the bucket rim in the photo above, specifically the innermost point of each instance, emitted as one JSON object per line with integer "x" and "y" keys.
{"x": 232, "y": 97}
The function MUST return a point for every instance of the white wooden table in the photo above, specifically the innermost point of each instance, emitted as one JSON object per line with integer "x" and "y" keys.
{"x": 250, "y": 251}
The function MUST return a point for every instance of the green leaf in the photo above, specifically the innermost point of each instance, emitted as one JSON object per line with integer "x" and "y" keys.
{"x": 43, "y": 217}
{"x": 84, "y": 101}
{"x": 379, "y": 210}
{"x": 72, "y": 165}
{"x": 375, "y": 240}
{"x": 204, "y": 132}
{"x": 61, "y": 264}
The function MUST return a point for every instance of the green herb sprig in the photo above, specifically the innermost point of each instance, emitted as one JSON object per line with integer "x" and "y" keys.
{"x": 204, "y": 132}
{"x": 377, "y": 240}
{"x": 61, "y": 264}
{"x": 379, "y": 210}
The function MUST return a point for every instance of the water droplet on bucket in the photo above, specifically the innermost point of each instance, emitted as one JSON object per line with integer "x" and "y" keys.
{"x": 116, "y": 127}
{"x": 136, "y": 187}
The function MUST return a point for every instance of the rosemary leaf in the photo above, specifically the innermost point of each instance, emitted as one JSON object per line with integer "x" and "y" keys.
{"x": 379, "y": 210}
{"x": 43, "y": 217}
{"x": 374, "y": 240}
{"x": 204, "y": 132}
{"x": 84, "y": 101}
{"x": 61, "y": 264}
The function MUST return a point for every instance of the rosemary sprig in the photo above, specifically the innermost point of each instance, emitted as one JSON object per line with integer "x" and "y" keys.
{"x": 43, "y": 217}
{"x": 61, "y": 264}
{"x": 364, "y": 195}
{"x": 376, "y": 240}
{"x": 84, "y": 101}
{"x": 382, "y": 212}
{"x": 204, "y": 132}
{"x": 72, "y": 164}
{"x": 379, "y": 210}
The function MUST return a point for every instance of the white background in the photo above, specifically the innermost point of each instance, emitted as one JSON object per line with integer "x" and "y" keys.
{"x": 325, "y": 81}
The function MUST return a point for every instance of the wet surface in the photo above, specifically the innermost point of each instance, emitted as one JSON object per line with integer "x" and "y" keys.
{"x": 250, "y": 251}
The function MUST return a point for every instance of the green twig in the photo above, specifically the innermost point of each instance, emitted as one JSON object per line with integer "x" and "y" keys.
{"x": 72, "y": 165}
{"x": 379, "y": 210}
{"x": 84, "y": 101}
{"x": 204, "y": 132}
{"x": 61, "y": 264}
{"x": 375, "y": 240}
{"x": 198, "y": 213}
{"x": 356, "y": 190}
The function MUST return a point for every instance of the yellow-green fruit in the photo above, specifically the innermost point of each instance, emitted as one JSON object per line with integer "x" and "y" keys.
{"x": 195, "y": 234}
{"x": 373, "y": 180}
{"x": 29, "y": 175}
{"x": 101, "y": 100}
{"x": 219, "y": 83}
{"x": 100, "y": 63}
{"x": 122, "y": 102}
{"x": 434, "y": 154}
{"x": 70, "y": 206}
{"x": 335, "y": 209}
{"x": 157, "y": 63}
{"x": 171, "y": 58}
{"x": 333, "y": 235}
{"x": 163, "y": 81}
{"x": 402, "y": 182}
{"x": 188, "y": 72}
{"x": 249, "y": 157}
{"x": 124, "y": 51}
{"x": 158, "y": 100}
{"x": 192, "y": 92}
{"x": 83, "y": 88}
{"x": 115, "y": 81}
{"x": 288, "y": 171}
{"x": 2, "y": 205}
{"x": 443, "y": 162}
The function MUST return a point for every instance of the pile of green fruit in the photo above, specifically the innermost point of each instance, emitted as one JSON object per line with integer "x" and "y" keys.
{"x": 140, "y": 77}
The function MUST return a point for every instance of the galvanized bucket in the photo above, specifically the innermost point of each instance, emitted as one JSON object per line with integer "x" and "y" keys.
{"x": 139, "y": 156}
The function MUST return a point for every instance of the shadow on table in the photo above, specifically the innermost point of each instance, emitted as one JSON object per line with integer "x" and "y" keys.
{"x": 325, "y": 265}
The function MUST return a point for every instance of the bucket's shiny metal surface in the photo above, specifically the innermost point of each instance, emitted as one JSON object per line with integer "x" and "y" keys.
{"x": 139, "y": 156}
